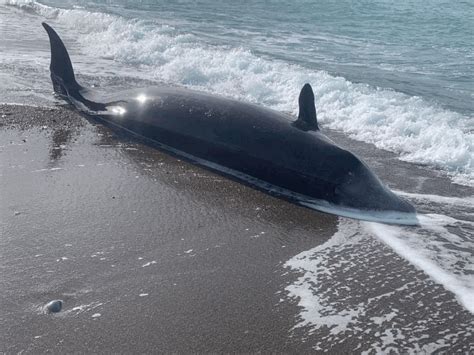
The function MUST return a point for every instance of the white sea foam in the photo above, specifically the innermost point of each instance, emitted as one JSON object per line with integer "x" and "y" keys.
{"x": 317, "y": 310}
{"x": 467, "y": 201}
{"x": 437, "y": 252}
{"x": 343, "y": 283}
{"x": 441, "y": 247}
{"x": 417, "y": 130}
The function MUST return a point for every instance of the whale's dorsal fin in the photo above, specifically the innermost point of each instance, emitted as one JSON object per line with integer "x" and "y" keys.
{"x": 307, "y": 119}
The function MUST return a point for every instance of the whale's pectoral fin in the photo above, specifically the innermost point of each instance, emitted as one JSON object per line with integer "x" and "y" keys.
{"x": 307, "y": 119}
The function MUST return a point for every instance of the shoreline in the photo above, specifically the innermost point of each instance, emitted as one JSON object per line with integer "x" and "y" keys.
{"x": 151, "y": 253}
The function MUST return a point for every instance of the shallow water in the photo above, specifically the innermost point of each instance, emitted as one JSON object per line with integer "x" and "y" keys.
{"x": 353, "y": 285}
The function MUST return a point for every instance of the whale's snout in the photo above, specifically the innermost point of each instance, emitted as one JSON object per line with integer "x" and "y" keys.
{"x": 363, "y": 190}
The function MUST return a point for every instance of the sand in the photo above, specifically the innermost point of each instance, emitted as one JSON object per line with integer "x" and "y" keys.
{"x": 150, "y": 253}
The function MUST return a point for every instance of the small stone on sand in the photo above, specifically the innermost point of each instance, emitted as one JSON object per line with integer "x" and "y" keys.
{"x": 54, "y": 306}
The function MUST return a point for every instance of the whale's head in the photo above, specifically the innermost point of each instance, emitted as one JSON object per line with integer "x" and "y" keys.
{"x": 340, "y": 183}
{"x": 360, "y": 189}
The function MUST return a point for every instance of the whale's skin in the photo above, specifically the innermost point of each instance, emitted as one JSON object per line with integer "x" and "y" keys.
{"x": 248, "y": 141}
{"x": 248, "y": 138}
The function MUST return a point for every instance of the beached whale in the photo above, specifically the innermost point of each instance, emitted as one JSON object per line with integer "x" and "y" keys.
{"x": 260, "y": 146}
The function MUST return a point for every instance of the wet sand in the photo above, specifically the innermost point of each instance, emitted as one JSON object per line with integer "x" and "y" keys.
{"x": 154, "y": 254}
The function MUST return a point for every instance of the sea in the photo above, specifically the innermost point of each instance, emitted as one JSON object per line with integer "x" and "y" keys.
{"x": 398, "y": 75}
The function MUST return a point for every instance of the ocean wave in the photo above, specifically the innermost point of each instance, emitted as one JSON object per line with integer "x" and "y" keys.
{"x": 418, "y": 130}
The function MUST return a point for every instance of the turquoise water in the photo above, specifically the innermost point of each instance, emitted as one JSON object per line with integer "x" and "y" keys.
{"x": 396, "y": 74}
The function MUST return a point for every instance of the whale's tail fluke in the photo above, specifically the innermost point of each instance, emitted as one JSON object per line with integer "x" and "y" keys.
{"x": 62, "y": 73}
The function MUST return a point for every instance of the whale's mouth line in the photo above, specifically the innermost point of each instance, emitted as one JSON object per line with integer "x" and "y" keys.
{"x": 388, "y": 216}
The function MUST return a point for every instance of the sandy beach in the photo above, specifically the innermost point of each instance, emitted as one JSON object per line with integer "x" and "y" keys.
{"x": 154, "y": 254}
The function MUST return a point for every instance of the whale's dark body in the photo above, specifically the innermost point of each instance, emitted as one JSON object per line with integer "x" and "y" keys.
{"x": 248, "y": 141}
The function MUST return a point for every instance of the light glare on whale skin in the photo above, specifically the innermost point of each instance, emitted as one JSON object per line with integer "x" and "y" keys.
{"x": 117, "y": 110}
{"x": 142, "y": 98}
{"x": 253, "y": 142}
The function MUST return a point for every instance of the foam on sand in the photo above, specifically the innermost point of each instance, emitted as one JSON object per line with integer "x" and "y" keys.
{"x": 351, "y": 285}
{"x": 441, "y": 265}
{"x": 357, "y": 283}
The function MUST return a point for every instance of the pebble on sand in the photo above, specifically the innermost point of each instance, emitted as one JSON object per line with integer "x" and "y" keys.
{"x": 54, "y": 306}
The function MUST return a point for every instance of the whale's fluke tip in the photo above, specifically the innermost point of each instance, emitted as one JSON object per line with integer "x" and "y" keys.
{"x": 46, "y": 27}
